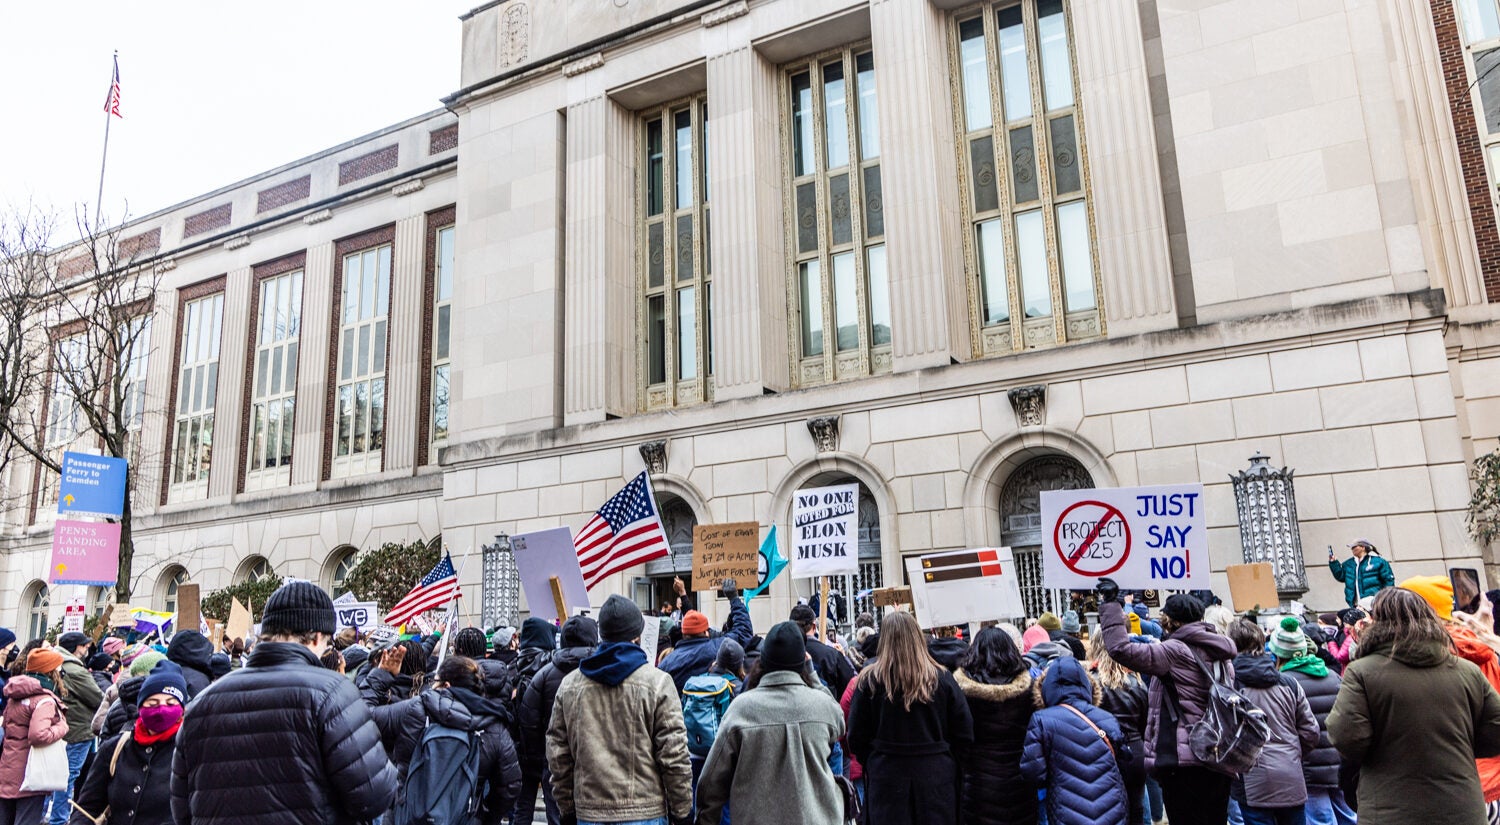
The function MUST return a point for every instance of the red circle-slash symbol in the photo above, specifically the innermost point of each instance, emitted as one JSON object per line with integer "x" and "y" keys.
{"x": 1108, "y": 515}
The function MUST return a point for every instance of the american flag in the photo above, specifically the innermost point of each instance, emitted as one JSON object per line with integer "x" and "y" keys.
{"x": 625, "y": 532}
{"x": 112, "y": 103}
{"x": 436, "y": 589}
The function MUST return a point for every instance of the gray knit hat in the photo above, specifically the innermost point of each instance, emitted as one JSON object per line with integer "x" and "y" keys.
{"x": 300, "y": 607}
{"x": 1288, "y": 642}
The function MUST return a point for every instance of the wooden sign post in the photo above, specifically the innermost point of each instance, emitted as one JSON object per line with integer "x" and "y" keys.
{"x": 557, "y": 598}
{"x": 823, "y": 609}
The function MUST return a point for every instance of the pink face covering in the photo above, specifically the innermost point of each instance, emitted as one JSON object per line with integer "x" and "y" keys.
{"x": 161, "y": 718}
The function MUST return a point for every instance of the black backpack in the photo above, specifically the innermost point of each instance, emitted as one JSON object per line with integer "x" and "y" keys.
{"x": 442, "y": 784}
{"x": 1232, "y": 732}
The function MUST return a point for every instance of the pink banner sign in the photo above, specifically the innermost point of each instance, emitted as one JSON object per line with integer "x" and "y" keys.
{"x": 85, "y": 552}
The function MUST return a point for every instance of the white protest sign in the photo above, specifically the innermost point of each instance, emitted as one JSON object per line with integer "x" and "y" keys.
{"x": 963, "y": 586}
{"x": 825, "y": 531}
{"x": 361, "y": 615}
{"x": 1145, "y": 538}
{"x": 651, "y": 638}
{"x": 347, "y": 598}
{"x": 73, "y": 615}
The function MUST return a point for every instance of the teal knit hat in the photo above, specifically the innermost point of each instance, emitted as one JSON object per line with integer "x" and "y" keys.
{"x": 1288, "y": 642}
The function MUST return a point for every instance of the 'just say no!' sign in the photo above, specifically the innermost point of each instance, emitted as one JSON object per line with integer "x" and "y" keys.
{"x": 1142, "y": 537}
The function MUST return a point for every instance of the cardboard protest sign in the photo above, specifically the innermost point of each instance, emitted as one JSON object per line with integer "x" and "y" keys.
{"x": 825, "y": 531}
{"x": 725, "y": 551}
{"x": 189, "y": 610}
{"x": 238, "y": 626}
{"x": 963, "y": 586}
{"x": 119, "y": 616}
{"x": 1142, "y": 537}
{"x": 359, "y": 615}
{"x": 540, "y": 557}
{"x": 1252, "y": 585}
{"x": 891, "y": 596}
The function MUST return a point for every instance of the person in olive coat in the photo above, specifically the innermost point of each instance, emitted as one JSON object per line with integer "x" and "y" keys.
{"x": 132, "y": 774}
{"x": 1414, "y": 717}
{"x": 996, "y": 682}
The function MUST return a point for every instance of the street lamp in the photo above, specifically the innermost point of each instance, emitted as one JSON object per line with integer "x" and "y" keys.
{"x": 1269, "y": 531}
{"x": 501, "y": 599}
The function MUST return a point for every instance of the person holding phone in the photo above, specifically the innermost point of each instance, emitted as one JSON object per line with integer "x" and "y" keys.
{"x": 1364, "y": 573}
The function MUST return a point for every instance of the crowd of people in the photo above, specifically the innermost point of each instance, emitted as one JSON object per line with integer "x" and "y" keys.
{"x": 1188, "y": 713}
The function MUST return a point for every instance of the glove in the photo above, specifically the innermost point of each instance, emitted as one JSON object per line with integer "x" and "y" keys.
{"x": 1107, "y": 590}
{"x": 730, "y": 589}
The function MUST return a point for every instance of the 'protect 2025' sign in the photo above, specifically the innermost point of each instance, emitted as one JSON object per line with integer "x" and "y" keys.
{"x": 1145, "y": 538}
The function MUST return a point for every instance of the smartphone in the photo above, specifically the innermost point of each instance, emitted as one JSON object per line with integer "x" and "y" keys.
{"x": 1466, "y": 591}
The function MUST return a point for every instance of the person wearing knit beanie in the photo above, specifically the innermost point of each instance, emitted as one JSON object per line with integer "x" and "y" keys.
{"x": 620, "y": 620}
{"x": 43, "y": 660}
{"x": 1070, "y": 623}
{"x": 1288, "y": 641}
{"x": 694, "y": 624}
{"x": 1182, "y": 609}
{"x": 785, "y": 648}
{"x": 299, "y": 608}
{"x": 166, "y": 678}
{"x": 7, "y": 638}
{"x": 731, "y": 660}
{"x": 1049, "y": 621}
{"x": 1435, "y": 590}
{"x": 113, "y": 645}
{"x": 145, "y": 661}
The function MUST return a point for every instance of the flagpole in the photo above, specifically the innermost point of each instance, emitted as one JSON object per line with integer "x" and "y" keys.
{"x": 448, "y": 628}
{"x": 99, "y": 199}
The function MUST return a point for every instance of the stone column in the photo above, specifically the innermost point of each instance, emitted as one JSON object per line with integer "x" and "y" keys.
{"x": 313, "y": 396}
{"x": 1129, "y": 217}
{"x": 156, "y": 423}
{"x": 403, "y": 366}
{"x": 744, "y": 170}
{"x": 600, "y": 295}
{"x": 929, "y": 299}
{"x": 223, "y": 473}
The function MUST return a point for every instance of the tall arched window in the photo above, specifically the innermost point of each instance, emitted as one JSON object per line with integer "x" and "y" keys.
{"x": 100, "y": 599}
{"x": 35, "y": 604}
{"x": 254, "y": 569}
{"x": 1021, "y": 522}
{"x": 173, "y": 577}
{"x": 342, "y": 566}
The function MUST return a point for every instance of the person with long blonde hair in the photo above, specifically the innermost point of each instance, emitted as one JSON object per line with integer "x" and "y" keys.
{"x": 908, "y": 721}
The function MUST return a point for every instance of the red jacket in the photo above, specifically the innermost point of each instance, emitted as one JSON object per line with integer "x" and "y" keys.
{"x": 33, "y": 716}
{"x": 856, "y": 770}
{"x": 1468, "y": 646}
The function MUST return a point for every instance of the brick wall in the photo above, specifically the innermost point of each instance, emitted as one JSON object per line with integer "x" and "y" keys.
{"x": 282, "y": 194}
{"x": 442, "y": 140}
{"x": 1470, "y": 152}
{"x": 206, "y": 221}
{"x": 380, "y": 160}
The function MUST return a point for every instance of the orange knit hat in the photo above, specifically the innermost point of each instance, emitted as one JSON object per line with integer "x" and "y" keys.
{"x": 694, "y": 623}
{"x": 43, "y": 660}
{"x": 1435, "y": 590}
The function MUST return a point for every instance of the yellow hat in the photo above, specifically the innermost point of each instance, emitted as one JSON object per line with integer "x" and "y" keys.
{"x": 1135, "y": 622}
{"x": 1435, "y": 590}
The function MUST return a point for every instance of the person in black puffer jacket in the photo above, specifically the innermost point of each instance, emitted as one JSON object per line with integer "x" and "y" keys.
{"x": 538, "y": 643}
{"x": 1325, "y": 799}
{"x": 458, "y": 702}
{"x": 946, "y": 648}
{"x": 580, "y": 635}
{"x": 1123, "y": 693}
{"x": 282, "y": 741}
{"x": 997, "y": 684}
{"x": 499, "y": 678}
{"x": 191, "y": 651}
{"x": 132, "y": 772}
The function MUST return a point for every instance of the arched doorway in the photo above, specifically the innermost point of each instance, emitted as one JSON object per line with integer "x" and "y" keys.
{"x": 1021, "y": 522}
{"x": 655, "y": 587}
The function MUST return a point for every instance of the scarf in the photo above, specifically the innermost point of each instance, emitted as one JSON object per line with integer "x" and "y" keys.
{"x": 147, "y": 738}
{"x": 1307, "y": 663}
{"x": 45, "y": 680}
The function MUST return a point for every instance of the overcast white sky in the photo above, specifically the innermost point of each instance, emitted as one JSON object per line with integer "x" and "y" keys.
{"x": 211, "y": 92}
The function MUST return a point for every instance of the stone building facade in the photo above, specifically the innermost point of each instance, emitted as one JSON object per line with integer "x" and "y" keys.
{"x": 1126, "y": 243}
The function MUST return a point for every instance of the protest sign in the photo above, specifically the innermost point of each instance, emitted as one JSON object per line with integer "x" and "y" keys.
{"x": 963, "y": 586}
{"x": 540, "y": 557}
{"x": 359, "y": 615}
{"x": 73, "y": 615}
{"x": 1252, "y": 585}
{"x": 119, "y": 616}
{"x": 825, "y": 531}
{"x": 1142, "y": 537}
{"x": 891, "y": 596}
{"x": 238, "y": 626}
{"x": 347, "y": 598}
{"x": 85, "y": 552}
{"x": 725, "y": 551}
{"x": 651, "y": 637}
{"x": 188, "y": 609}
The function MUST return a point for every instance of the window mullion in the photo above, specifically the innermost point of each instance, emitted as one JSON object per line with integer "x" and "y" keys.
{"x": 825, "y": 230}
{"x": 856, "y": 210}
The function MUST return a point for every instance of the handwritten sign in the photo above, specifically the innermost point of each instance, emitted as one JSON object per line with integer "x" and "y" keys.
{"x": 892, "y": 596}
{"x": 73, "y": 615}
{"x": 725, "y": 551}
{"x": 361, "y": 615}
{"x": 825, "y": 531}
{"x": 651, "y": 637}
{"x": 1142, "y": 537}
{"x": 119, "y": 616}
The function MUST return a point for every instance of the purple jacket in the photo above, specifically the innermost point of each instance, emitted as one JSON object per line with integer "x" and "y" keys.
{"x": 1173, "y": 657}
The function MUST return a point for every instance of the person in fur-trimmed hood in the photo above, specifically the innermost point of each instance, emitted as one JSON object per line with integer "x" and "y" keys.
{"x": 996, "y": 682}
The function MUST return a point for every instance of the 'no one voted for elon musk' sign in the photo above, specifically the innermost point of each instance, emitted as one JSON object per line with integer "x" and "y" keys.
{"x": 1142, "y": 537}
{"x": 91, "y": 485}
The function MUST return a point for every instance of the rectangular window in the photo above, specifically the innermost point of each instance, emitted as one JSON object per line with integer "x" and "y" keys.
{"x": 197, "y": 390}
{"x": 1031, "y": 240}
{"x": 134, "y": 346}
{"x": 64, "y": 413}
{"x": 675, "y": 353}
{"x": 359, "y": 399}
{"x": 836, "y": 235}
{"x": 273, "y": 387}
{"x": 442, "y": 331}
{"x": 1481, "y": 31}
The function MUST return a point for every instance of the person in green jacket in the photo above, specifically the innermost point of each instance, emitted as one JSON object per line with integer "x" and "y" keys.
{"x": 1414, "y": 717}
{"x": 1364, "y": 574}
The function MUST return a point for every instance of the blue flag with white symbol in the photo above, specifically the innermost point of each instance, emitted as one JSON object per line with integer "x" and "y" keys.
{"x": 771, "y": 564}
